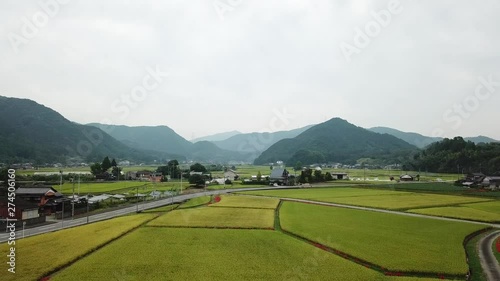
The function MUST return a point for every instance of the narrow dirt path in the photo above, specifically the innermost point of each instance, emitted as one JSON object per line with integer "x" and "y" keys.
{"x": 488, "y": 261}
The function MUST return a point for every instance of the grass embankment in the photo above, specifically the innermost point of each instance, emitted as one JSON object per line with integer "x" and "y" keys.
{"x": 215, "y": 254}
{"x": 217, "y": 218}
{"x": 246, "y": 202}
{"x": 485, "y": 211}
{"x": 162, "y": 209}
{"x": 65, "y": 246}
{"x": 374, "y": 198}
{"x": 398, "y": 243}
{"x": 196, "y": 202}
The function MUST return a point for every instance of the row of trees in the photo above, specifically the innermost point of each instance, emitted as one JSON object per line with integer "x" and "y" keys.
{"x": 310, "y": 176}
{"x": 458, "y": 156}
{"x": 101, "y": 169}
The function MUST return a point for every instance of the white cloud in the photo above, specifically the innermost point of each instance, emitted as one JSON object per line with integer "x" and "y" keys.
{"x": 230, "y": 74}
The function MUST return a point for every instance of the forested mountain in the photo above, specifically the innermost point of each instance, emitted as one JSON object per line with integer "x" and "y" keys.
{"x": 458, "y": 155}
{"x": 217, "y": 137}
{"x": 337, "y": 140}
{"x": 255, "y": 143}
{"x": 159, "y": 138}
{"x": 164, "y": 139}
{"x": 30, "y": 132}
{"x": 422, "y": 141}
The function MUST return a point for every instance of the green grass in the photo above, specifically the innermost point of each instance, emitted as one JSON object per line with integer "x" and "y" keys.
{"x": 246, "y": 202}
{"x": 485, "y": 211}
{"x": 405, "y": 201}
{"x": 397, "y": 242}
{"x": 217, "y": 217}
{"x": 102, "y": 187}
{"x": 322, "y": 193}
{"x": 471, "y": 247}
{"x": 167, "y": 208}
{"x": 496, "y": 250}
{"x": 66, "y": 245}
{"x": 195, "y": 202}
{"x": 208, "y": 254}
{"x": 459, "y": 212}
{"x": 375, "y": 198}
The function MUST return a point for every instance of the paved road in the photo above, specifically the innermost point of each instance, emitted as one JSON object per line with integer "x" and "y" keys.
{"x": 66, "y": 223}
{"x": 488, "y": 260}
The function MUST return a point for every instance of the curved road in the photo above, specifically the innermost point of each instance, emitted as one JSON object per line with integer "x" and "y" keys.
{"x": 488, "y": 260}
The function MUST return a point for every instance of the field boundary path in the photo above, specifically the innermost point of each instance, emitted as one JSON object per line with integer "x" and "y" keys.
{"x": 488, "y": 261}
{"x": 68, "y": 222}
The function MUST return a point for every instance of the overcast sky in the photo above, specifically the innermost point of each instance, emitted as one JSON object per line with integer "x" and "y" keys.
{"x": 203, "y": 67}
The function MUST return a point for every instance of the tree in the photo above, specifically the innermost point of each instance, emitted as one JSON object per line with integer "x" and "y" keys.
{"x": 259, "y": 176}
{"x": 106, "y": 164}
{"x": 328, "y": 176}
{"x": 298, "y": 166}
{"x": 197, "y": 167}
{"x": 318, "y": 176}
{"x": 117, "y": 172}
{"x": 113, "y": 163}
{"x": 197, "y": 180}
{"x": 96, "y": 169}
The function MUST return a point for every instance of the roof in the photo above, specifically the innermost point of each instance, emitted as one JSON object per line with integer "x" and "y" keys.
{"x": 277, "y": 173}
{"x": 38, "y": 191}
{"x": 406, "y": 177}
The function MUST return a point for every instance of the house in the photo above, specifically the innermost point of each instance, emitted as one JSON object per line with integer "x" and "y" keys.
{"x": 155, "y": 177}
{"x": 406, "y": 178}
{"x": 43, "y": 195}
{"x": 279, "y": 176}
{"x": 340, "y": 176}
{"x": 491, "y": 182}
{"x": 25, "y": 211}
{"x": 231, "y": 175}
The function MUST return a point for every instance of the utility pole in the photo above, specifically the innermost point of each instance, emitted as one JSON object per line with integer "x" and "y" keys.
{"x": 73, "y": 200}
{"x": 137, "y": 199}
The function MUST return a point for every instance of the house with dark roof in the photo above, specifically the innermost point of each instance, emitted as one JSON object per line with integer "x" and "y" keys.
{"x": 44, "y": 196}
{"x": 279, "y": 176}
{"x": 25, "y": 211}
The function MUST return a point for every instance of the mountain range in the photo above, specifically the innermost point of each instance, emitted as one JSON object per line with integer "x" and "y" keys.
{"x": 30, "y": 132}
{"x": 336, "y": 140}
{"x": 422, "y": 141}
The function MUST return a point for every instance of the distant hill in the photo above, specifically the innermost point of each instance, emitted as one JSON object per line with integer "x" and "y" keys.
{"x": 164, "y": 139}
{"x": 159, "y": 138}
{"x": 422, "y": 141}
{"x": 417, "y": 140}
{"x": 480, "y": 139}
{"x": 337, "y": 140}
{"x": 255, "y": 143}
{"x": 30, "y": 132}
{"x": 217, "y": 137}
